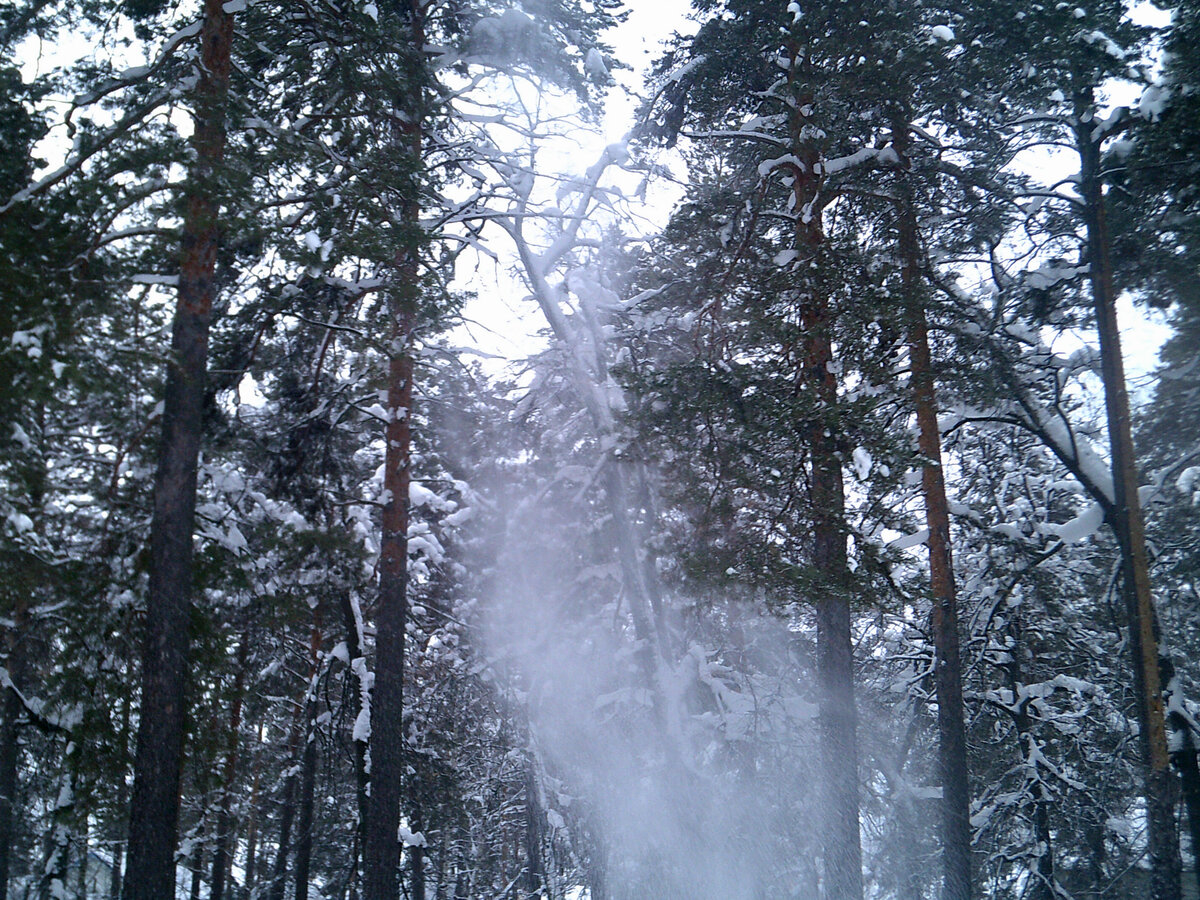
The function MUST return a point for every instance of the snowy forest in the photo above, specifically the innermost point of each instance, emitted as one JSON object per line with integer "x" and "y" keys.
{"x": 558, "y": 449}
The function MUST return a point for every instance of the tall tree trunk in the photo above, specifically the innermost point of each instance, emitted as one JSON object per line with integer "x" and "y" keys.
{"x": 154, "y": 811}
{"x": 1160, "y": 788}
{"x": 952, "y": 738}
{"x": 381, "y": 846}
{"x": 220, "y": 865}
{"x": 381, "y": 849}
{"x": 841, "y": 840}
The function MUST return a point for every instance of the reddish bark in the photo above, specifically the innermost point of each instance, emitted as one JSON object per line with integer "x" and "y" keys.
{"x": 154, "y": 811}
{"x": 1160, "y": 786}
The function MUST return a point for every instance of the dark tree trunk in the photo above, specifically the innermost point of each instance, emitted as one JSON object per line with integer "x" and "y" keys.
{"x": 252, "y": 829}
{"x": 952, "y": 738}
{"x": 197, "y": 868}
{"x": 1044, "y": 878}
{"x": 10, "y": 754}
{"x": 308, "y": 777}
{"x": 535, "y": 876}
{"x": 417, "y": 857}
{"x": 287, "y": 814}
{"x": 1160, "y": 786}
{"x": 220, "y": 866}
{"x": 154, "y": 811}
{"x": 381, "y": 846}
{"x": 118, "y": 856}
{"x": 841, "y": 841}
{"x": 304, "y": 841}
{"x": 1189, "y": 776}
{"x": 82, "y": 871}
{"x": 381, "y": 849}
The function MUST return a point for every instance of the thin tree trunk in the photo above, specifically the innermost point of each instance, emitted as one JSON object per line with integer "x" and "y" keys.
{"x": 534, "y": 872}
{"x": 220, "y": 866}
{"x": 197, "y": 868}
{"x": 118, "y": 854}
{"x": 304, "y": 842}
{"x": 154, "y": 811}
{"x": 287, "y": 815}
{"x": 1044, "y": 878}
{"x": 841, "y": 840}
{"x": 416, "y": 857}
{"x": 952, "y": 744}
{"x": 252, "y": 828}
{"x": 1160, "y": 787}
{"x": 10, "y": 750}
{"x": 82, "y": 872}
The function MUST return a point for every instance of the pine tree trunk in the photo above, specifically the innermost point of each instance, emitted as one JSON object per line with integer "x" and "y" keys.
{"x": 381, "y": 850}
{"x": 417, "y": 857}
{"x": 82, "y": 870}
{"x": 381, "y": 846}
{"x": 197, "y": 868}
{"x": 840, "y": 834}
{"x": 252, "y": 830}
{"x": 1044, "y": 878}
{"x": 118, "y": 856}
{"x": 1160, "y": 785}
{"x": 10, "y": 755}
{"x": 154, "y": 811}
{"x": 287, "y": 815}
{"x": 952, "y": 744}
{"x": 308, "y": 776}
{"x": 1189, "y": 777}
{"x": 220, "y": 865}
{"x": 534, "y": 875}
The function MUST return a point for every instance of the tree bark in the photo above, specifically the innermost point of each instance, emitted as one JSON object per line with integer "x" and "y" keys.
{"x": 221, "y": 860}
{"x": 381, "y": 846}
{"x": 154, "y": 811}
{"x": 1160, "y": 788}
{"x": 841, "y": 840}
{"x": 534, "y": 873}
{"x": 10, "y": 749}
{"x": 952, "y": 743}
{"x": 118, "y": 854}
{"x": 287, "y": 815}
{"x": 252, "y": 829}
{"x": 308, "y": 777}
